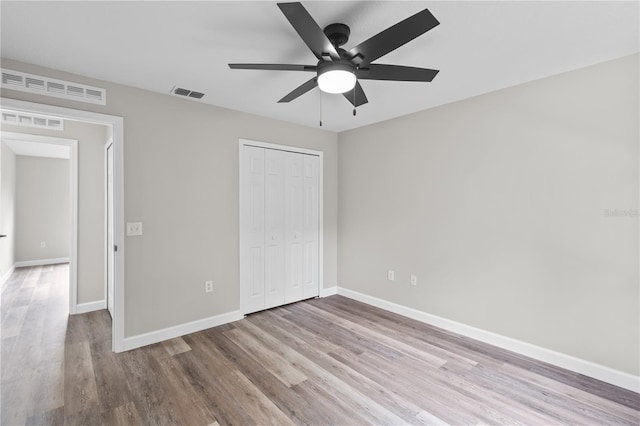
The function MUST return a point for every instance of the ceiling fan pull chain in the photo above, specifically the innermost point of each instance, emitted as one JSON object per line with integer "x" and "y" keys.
{"x": 354, "y": 101}
{"x": 354, "y": 92}
{"x": 320, "y": 98}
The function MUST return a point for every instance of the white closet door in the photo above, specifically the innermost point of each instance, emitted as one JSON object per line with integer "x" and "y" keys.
{"x": 252, "y": 217}
{"x": 274, "y": 232}
{"x": 279, "y": 227}
{"x": 294, "y": 231}
{"x": 310, "y": 226}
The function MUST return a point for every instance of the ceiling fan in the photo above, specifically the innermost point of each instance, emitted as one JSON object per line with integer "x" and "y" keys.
{"x": 338, "y": 70}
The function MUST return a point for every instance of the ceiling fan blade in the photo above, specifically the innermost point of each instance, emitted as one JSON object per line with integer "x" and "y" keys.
{"x": 393, "y": 37}
{"x": 274, "y": 67}
{"x": 300, "y": 90}
{"x": 396, "y": 73}
{"x": 309, "y": 30}
{"x": 360, "y": 98}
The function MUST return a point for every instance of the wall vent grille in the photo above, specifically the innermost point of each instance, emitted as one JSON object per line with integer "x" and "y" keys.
{"x": 186, "y": 92}
{"x": 31, "y": 83}
{"x": 32, "y": 120}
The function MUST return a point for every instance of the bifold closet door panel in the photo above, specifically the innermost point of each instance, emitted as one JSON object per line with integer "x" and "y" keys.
{"x": 252, "y": 217}
{"x": 310, "y": 226}
{"x": 279, "y": 201}
{"x": 293, "y": 226}
{"x": 274, "y": 261}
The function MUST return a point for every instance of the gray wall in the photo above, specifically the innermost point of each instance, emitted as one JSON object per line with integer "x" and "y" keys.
{"x": 42, "y": 208}
{"x": 499, "y": 205}
{"x": 181, "y": 181}
{"x": 7, "y": 208}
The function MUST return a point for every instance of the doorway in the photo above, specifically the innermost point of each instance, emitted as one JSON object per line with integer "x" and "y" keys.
{"x": 117, "y": 205}
{"x": 47, "y": 147}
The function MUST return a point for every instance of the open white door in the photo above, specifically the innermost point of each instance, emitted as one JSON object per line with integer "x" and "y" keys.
{"x": 110, "y": 231}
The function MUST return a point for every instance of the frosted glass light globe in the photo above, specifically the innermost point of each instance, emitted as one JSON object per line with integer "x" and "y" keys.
{"x": 336, "y": 81}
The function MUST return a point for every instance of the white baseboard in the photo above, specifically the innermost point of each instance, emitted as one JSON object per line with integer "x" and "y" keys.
{"x": 581, "y": 366}
{"x": 83, "y": 308}
{"x": 41, "y": 262}
{"x": 145, "y": 339}
{"x": 328, "y": 291}
{"x": 7, "y": 275}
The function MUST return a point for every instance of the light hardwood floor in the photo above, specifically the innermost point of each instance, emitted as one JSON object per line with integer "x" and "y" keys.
{"x": 323, "y": 361}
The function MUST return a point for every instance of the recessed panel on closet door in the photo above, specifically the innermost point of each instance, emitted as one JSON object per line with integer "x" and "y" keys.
{"x": 310, "y": 226}
{"x": 294, "y": 230}
{"x": 274, "y": 228}
{"x": 252, "y": 217}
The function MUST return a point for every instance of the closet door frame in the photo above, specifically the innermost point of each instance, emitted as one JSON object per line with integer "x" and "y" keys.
{"x": 258, "y": 144}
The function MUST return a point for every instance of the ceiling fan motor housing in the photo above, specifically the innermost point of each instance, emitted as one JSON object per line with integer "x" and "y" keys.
{"x": 343, "y": 65}
{"x": 338, "y": 34}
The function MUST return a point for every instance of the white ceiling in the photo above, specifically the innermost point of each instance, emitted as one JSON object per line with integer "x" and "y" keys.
{"x": 35, "y": 149}
{"x": 479, "y": 47}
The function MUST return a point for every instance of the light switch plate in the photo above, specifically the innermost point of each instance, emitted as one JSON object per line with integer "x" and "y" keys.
{"x": 134, "y": 228}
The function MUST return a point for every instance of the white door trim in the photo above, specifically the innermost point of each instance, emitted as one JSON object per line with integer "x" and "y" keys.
{"x": 117, "y": 124}
{"x": 288, "y": 148}
{"x": 73, "y": 206}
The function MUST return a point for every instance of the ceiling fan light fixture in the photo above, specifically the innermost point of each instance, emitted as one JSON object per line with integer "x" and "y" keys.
{"x": 337, "y": 70}
{"x": 336, "y": 78}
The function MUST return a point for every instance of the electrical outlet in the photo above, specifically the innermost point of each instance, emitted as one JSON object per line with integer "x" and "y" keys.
{"x": 414, "y": 280}
{"x": 208, "y": 286}
{"x": 391, "y": 276}
{"x": 43, "y": 244}
{"x": 134, "y": 228}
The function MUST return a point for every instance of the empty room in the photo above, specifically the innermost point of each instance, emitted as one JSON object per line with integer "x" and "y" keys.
{"x": 348, "y": 213}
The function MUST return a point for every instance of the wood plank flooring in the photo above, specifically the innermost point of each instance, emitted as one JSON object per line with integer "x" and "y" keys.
{"x": 323, "y": 361}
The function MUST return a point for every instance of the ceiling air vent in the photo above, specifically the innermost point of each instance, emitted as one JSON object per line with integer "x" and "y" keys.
{"x": 34, "y": 83}
{"x": 32, "y": 120}
{"x": 9, "y": 79}
{"x": 55, "y": 87}
{"x": 186, "y": 92}
{"x": 24, "y": 82}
